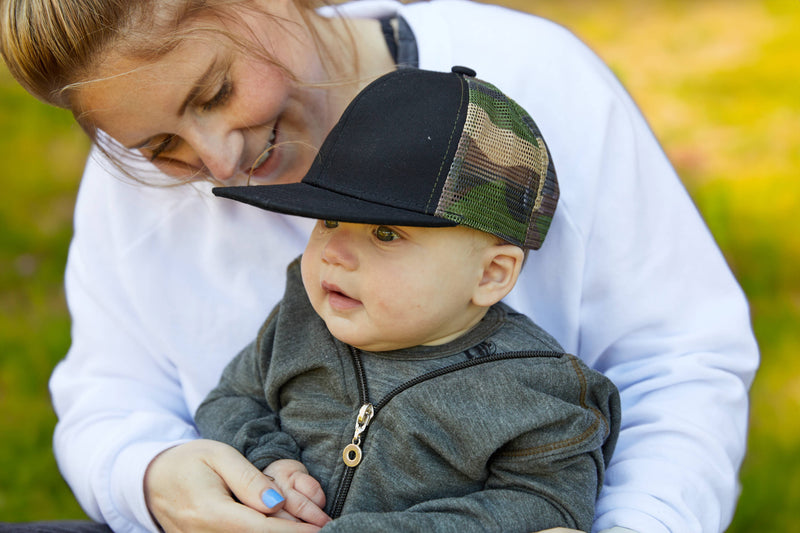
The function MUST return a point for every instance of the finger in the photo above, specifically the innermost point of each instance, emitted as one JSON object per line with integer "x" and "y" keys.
{"x": 236, "y": 518}
{"x": 311, "y": 489}
{"x": 273, "y": 499}
{"x": 185, "y": 492}
{"x": 250, "y": 486}
{"x": 216, "y": 511}
{"x": 278, "y": 525}
{"x": 285, "y": 515}
{"x": 306, "y": 510}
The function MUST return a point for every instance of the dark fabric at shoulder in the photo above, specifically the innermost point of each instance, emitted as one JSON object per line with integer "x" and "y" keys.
{"x": 407, "y": 53}
{"x": 401, "y": 42}
{"x": 388, "y": 34}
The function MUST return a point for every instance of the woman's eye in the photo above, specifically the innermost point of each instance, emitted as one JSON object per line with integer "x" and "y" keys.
{"x": 222, "y": 95}
{"x": 386, "y": 234}
{"x": 162, "y": 147}
{"x": 330, "y": 224}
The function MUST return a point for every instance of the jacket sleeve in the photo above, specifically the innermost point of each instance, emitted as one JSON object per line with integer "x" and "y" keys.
{"x": 236, "y": 411}
{"x": 468, "y": 513}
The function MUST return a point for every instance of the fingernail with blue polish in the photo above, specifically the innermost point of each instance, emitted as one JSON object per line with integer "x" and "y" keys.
{"x": 271, "y": 498}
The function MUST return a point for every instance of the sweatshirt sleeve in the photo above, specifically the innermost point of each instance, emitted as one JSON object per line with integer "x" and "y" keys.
{"x": 661, "y": 314}
{"x": 160, "y": 303}
{"x": 500, "y": 510}
{"x": 118, "y": 404}
{"x": 635, "y": 284}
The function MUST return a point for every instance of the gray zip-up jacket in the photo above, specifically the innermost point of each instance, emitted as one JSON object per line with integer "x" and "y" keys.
{"x": 498, "y": 430}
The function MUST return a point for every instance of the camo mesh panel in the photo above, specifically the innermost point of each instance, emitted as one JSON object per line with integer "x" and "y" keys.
{"x": 501, "y": 180}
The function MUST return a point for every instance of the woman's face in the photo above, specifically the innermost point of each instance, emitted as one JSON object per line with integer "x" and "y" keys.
{"x": 208, "y": 110}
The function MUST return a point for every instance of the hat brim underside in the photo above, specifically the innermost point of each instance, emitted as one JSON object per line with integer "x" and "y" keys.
{"x": 309, "y": 201}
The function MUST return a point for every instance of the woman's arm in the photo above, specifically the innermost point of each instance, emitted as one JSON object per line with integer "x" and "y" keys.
{"x": 158, "y": 310}
{"x": 118, "y": 403}
{"x": 629, "y": 277}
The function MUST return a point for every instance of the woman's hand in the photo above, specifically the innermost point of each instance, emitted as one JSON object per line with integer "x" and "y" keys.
{"x": 191, "y": 487}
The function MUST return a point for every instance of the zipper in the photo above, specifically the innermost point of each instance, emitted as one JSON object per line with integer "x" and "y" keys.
{"x": 363, "y": 396}
{"x": 352, "y": 454}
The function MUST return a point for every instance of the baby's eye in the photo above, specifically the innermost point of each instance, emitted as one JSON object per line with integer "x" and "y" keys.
{"x": 330, "y": 224}
{"x": 386, "y": 234}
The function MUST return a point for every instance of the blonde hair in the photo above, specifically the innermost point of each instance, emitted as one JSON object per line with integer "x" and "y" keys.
{"x": 52, "y": 47}
{"x": 50, "y": 44}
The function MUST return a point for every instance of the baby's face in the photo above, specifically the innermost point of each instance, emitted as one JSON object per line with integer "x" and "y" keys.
{"x": 383, "y": 288}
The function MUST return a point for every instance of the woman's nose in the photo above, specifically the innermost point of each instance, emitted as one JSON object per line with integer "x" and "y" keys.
{"x": 219, "y": 151}
{"x": 340, "y": 248}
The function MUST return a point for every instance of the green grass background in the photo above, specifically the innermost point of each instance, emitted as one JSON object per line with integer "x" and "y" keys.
{"x": 719, "y": 83}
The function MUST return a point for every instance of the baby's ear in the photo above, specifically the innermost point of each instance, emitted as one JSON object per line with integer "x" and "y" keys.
{"x": 501, "y": 267}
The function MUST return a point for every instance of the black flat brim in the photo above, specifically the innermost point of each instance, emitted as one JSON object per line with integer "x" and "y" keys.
{"x": 306, "y": 200}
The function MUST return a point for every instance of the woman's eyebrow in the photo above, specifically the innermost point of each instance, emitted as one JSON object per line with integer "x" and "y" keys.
{"x": 197, "y": 88}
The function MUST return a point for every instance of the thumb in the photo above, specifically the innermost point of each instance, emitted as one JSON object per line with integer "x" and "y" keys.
{"x": 250, "y": 486}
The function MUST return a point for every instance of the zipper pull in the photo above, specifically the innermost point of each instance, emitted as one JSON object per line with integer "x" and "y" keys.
{"x": 351, "y": 455}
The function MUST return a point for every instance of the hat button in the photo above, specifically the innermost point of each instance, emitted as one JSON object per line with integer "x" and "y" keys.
{"x": 466, "y": 71}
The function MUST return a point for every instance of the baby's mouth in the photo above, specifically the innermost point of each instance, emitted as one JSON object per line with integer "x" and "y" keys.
{"x": 338, "y": 299}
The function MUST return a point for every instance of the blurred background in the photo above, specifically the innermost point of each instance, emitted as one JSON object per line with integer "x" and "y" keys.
{"x": 718, "y": 81}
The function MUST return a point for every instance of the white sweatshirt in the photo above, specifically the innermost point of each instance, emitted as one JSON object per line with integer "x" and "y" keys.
{"x": 165, "y": 285}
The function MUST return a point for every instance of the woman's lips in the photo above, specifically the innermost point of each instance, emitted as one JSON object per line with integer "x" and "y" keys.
{"x": 337, "y": 299}
{"x": 267, "y": 160}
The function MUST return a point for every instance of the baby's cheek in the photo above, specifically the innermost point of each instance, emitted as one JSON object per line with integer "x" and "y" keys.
{"x": 386, "y": 308}
{"x": 309, "y": 268}
{"x": 382, "y": 305}
{"x": 313, "y": 288}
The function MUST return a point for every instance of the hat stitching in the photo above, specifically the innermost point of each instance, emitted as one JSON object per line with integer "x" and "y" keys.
{"x": 449, "y": 142}
{"x": 342, "y": 123}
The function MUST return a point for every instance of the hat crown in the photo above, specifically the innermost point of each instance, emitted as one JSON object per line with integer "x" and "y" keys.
{"x": 424, "y": 148}
{"x": 395, "y": 141}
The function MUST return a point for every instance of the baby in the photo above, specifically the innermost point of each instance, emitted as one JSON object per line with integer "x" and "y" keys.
{"x": 391, "y": 389}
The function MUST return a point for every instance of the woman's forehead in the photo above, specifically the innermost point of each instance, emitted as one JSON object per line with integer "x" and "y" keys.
{"x": 125, "y": 86}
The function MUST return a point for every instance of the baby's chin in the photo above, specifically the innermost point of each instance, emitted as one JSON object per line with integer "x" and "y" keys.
{"x": 369, "y": 345}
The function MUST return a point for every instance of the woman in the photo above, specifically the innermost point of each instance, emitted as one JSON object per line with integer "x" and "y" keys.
{"x": 242, "y": 92}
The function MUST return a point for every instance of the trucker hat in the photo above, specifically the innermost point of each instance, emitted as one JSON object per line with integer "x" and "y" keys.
{"x": 424, "y": 148}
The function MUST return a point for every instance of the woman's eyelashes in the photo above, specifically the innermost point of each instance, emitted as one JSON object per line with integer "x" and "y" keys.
{"x": 162, "y": 146}
{"x": 221, "y": 96}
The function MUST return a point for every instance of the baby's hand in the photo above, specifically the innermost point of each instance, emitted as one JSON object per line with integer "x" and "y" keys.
{"x": 302, "y": 495}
